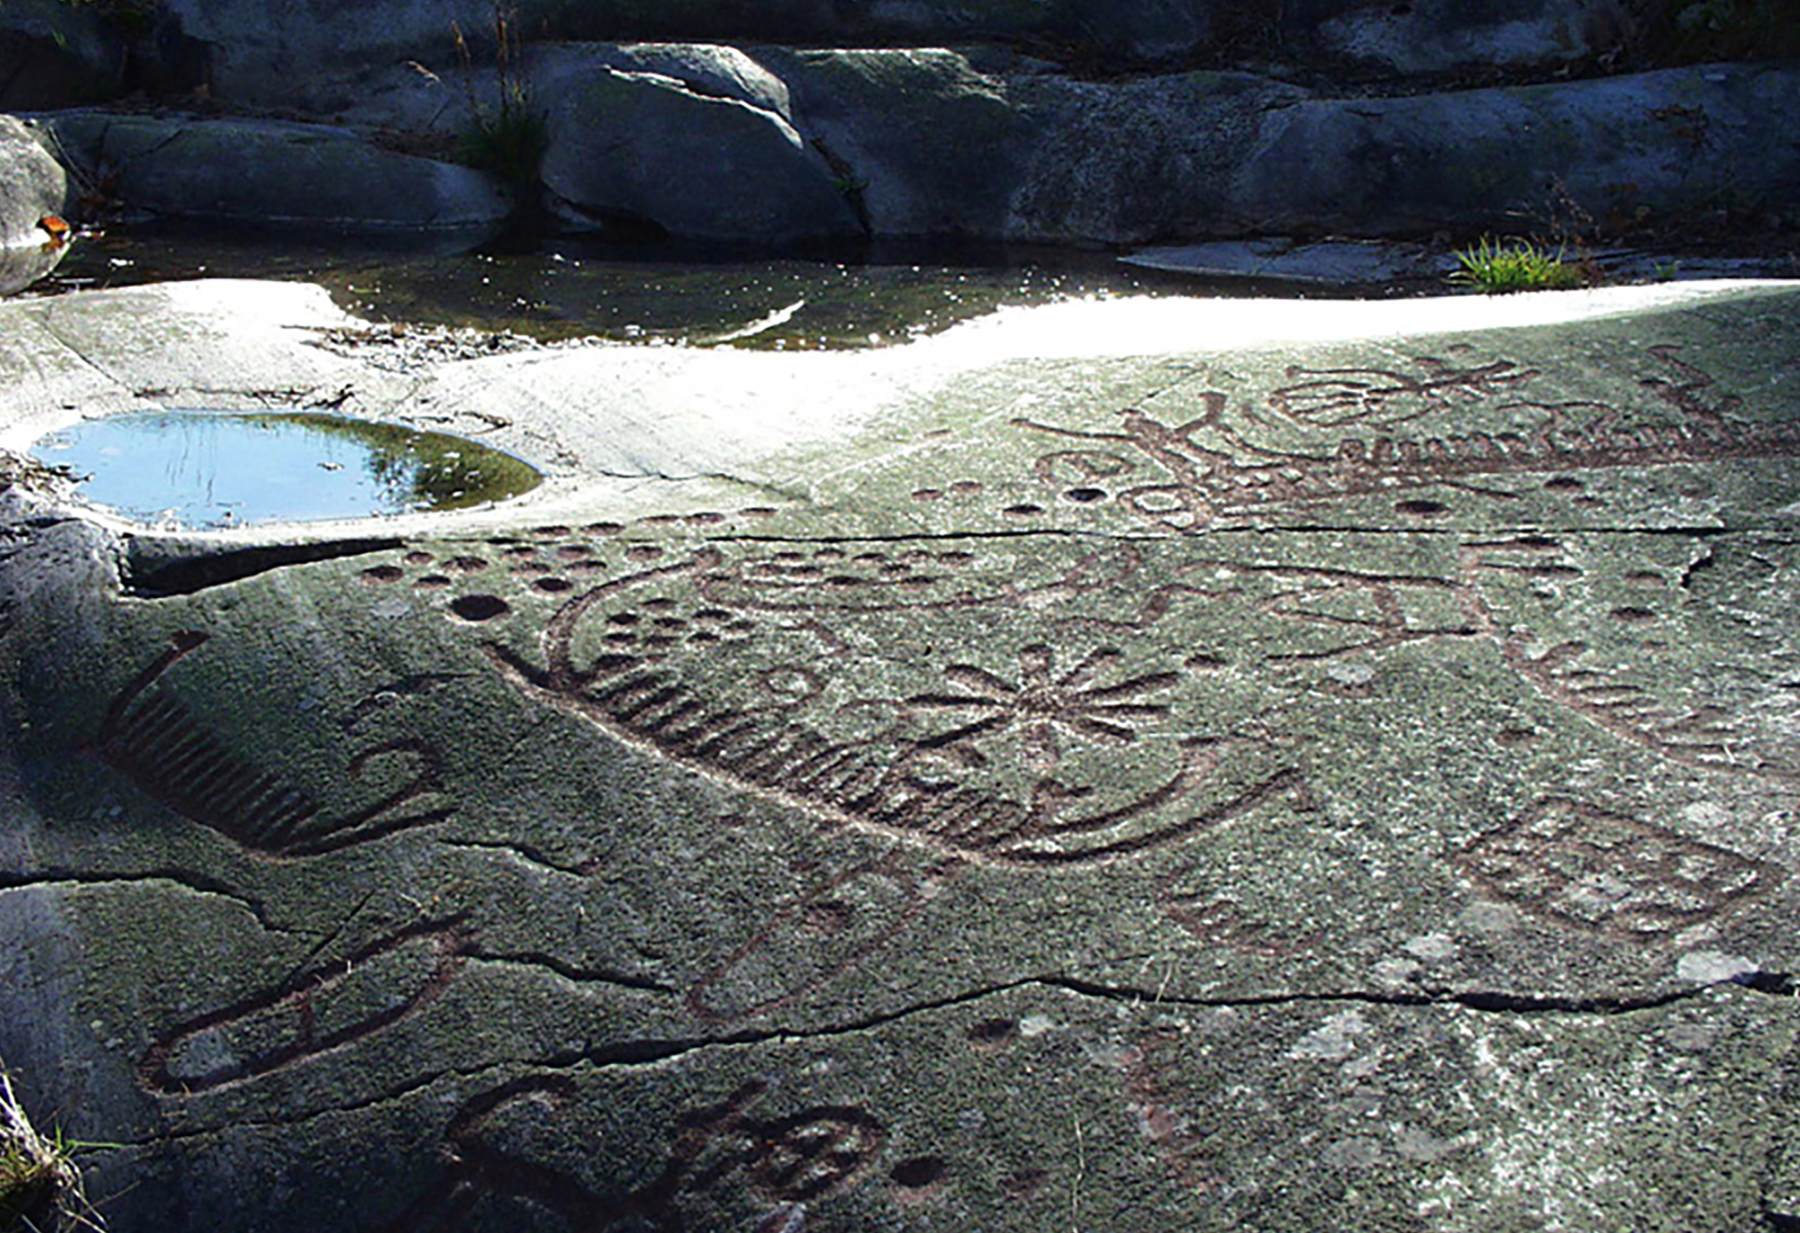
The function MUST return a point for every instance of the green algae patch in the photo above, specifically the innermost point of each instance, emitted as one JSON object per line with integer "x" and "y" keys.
{"x": 208, "y": 469}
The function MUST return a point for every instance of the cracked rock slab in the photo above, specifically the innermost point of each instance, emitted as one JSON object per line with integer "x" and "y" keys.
{"x": 284, "y": 174}
{"x": 1092, "y": 769}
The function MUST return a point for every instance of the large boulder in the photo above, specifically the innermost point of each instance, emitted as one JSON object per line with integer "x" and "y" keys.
{"x": 928, "y": 145}
{"x": 319, "y": 53}
{"x": 1129, "y": 162}
{"x": 1230, "y": 154}
{"x": 1668, "y": 144}
{"x": 993, "y": 145}
{"x": 703, "y": 68}
{"x": 651, "y": 150}
{"x": 314, "y": 51}
{"x": 448, "y": 102}
{"x": 311, "y": 53}
{"x": 279, "y": 174}
{"x": 32, "y": 185}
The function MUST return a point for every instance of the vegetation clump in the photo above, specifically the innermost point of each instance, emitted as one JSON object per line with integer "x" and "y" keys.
{"x": 508, "y": 139}
{"x": 1516, "y": 265}
{"x": 40, "y": 1186}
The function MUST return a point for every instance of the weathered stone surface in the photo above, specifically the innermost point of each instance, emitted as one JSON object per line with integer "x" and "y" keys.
{"x": 1672, "y": 143}
{"x": 54, "y": 54}
{"x": 930, "y": 146}
{"x": 645, "y": 146}
{"x": 1228, "y": 154}
{"x": 313, "y": 52}
{"x": 1433, "y": 36}
{"x": 278, "y": 174}
{"x": 705, "y": 69}
{"x": 310, "y": 52}
{"x": 32, "y": 185}
{"x": 1145, "y": 159}
{"x": 778, "y": 146}
{"x": 1279, "y": 258}
{"x": 1144, "y": 765}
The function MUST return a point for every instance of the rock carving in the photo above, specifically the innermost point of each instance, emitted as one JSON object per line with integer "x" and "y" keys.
{"x": 151, "y": 737}
{"x": 1588, "y": 868}
{"x": 636, "y": 656}
{"x": 318, "y": 1013}
{"x": 788, "y": 1161}
{"x": 1208, "y": 469}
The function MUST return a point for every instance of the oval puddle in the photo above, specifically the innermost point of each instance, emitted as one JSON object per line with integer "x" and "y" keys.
{"x": 213, "y": 469}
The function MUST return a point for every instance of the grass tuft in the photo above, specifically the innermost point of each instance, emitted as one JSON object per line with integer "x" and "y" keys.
{"x": 1517, "y": 265}
{"x": 40, "y": 1185}
{"x": 510, "y": 139}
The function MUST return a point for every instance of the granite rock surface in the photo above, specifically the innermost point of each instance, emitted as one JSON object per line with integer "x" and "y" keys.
{"x": 1148, "y": 765}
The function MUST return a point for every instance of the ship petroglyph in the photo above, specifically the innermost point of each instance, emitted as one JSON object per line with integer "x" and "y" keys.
{"x": 1216, "y": 466}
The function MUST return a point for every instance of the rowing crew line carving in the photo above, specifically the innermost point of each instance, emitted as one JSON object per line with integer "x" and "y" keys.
{"x": 151, "y": 737}
{"x": 1209, "y": 469}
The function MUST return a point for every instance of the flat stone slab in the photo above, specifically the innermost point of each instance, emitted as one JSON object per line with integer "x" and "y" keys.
{"x": 1325, "y": 262}
{"x": 1125, "y": 766}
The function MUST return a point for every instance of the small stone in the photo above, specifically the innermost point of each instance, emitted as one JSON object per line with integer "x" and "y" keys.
{"x": 1711, "y": 967}
{"x": 1351, "y": 674}
{"x": 1433, "y": 947}
{"x": 1335, "y": 1041}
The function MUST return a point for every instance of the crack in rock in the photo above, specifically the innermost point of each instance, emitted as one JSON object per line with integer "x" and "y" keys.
{"x": 194, "y": 885}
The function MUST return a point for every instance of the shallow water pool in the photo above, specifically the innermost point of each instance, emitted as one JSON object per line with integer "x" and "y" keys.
{"x": 201, "y": 469}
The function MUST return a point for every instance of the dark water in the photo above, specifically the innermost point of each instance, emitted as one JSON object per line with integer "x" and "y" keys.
{"x": 645, "y": 293}
{"x": 200, "y": 469}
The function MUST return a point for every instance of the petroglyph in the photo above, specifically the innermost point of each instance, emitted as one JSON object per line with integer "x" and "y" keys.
{"x": 1592, "y": 683}
{"x": 1332, "y": 397}
{"x": 786, "y": 1161}
{"x": 153, "y": 741}
{"x": 320, "y": 1012}
{"x": 1214, "y": 918}
{"x": 1184, "y": 477}
{"x": 149, "y": 735}
{"x": 973, "y": 701}
{"x": 753, "y": 667}
{"x": 1042, "y": 702}
{"x": 1582, "y": 866}
{"x": 827, "y": 932}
